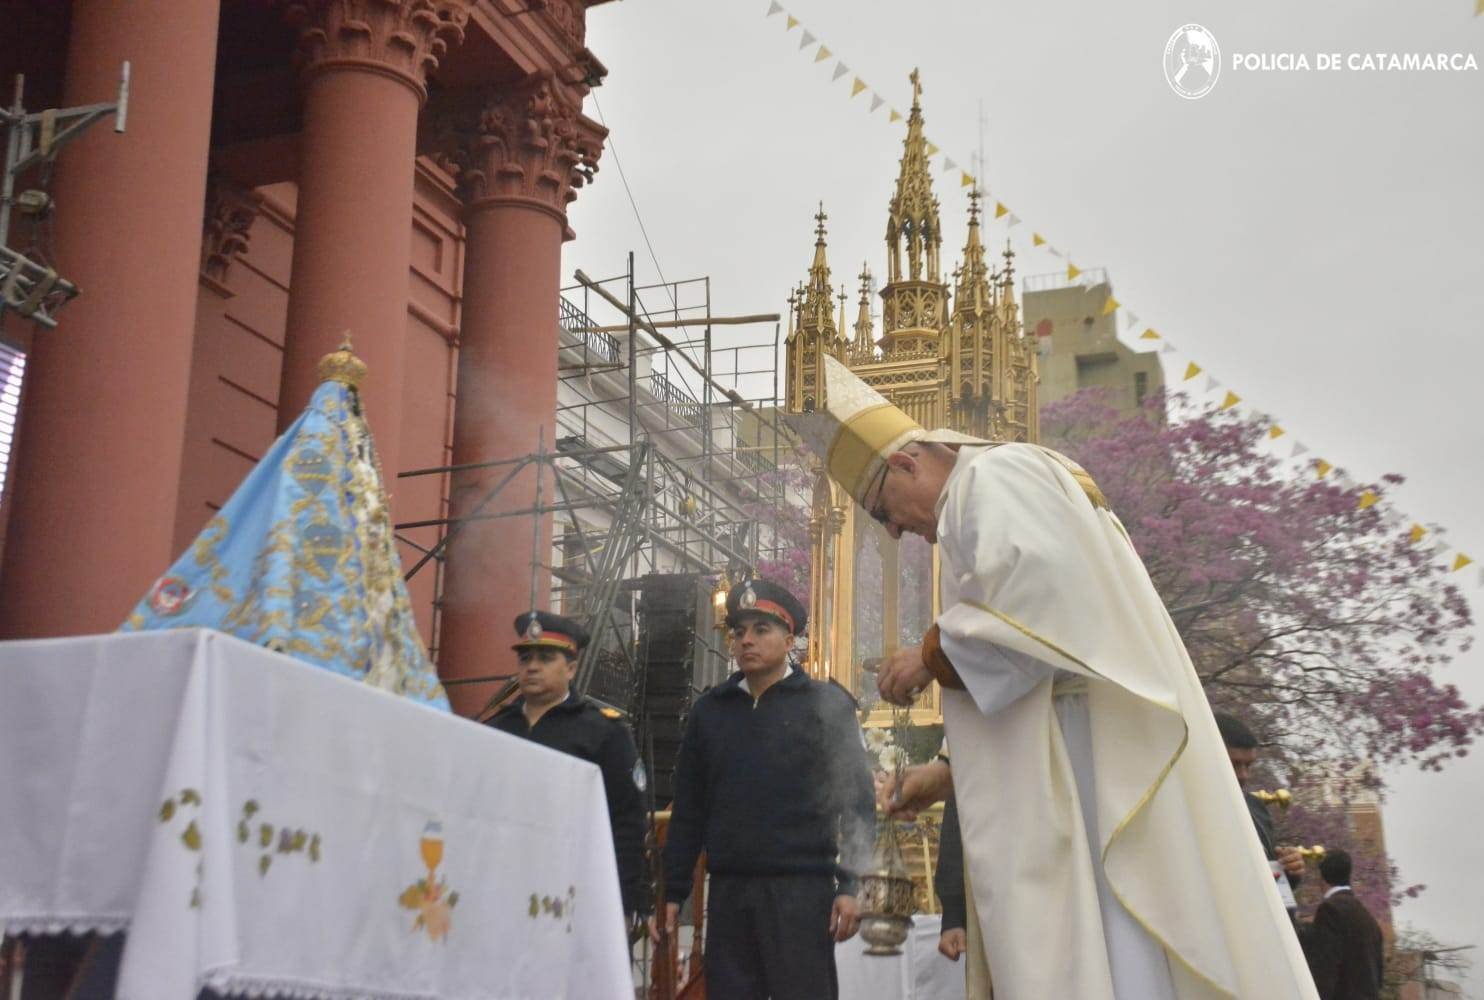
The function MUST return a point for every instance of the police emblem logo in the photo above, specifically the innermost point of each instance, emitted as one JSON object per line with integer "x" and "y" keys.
{"x": 533, "y": 630}
{"x": 748, "y": 598}
{"x": 170, "y": 596}
{"x": 641, "y": 779}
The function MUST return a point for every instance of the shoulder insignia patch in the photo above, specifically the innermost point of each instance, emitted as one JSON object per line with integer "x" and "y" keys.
{"x": 610, "y": 713}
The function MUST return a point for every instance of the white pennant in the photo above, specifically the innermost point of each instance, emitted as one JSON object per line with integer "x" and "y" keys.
{"x": 1299, "y": 449}
{"x": 1168, "y": 348}
{"x": 876, "y": 100}
{"x": 948, "y": 165}
{"x": 1129, "y": 319}
{"x": 807, "y": 40}
{"x": 775, "y": 8}
{"x": 1013, "y": 221}
{"x": 840, "y": 70}
{"x": 1211, "y": 383}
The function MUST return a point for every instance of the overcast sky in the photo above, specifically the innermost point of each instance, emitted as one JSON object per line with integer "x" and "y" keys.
{"x": 1313, "y": 239}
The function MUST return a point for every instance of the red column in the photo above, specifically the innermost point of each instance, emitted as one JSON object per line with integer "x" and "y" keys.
{"x": 99, "y": 455}
{"x": 365, "y": 67}
{"x": 521, "y": 162}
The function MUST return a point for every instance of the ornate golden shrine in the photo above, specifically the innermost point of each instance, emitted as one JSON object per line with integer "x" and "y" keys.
{"x": 950, "y": 358}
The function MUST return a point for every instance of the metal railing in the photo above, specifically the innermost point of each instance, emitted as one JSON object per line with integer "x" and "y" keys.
{"x": 681, "y": 403}
{"x": 578, "y": 324}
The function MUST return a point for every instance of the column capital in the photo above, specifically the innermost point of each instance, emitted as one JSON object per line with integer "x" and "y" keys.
{"x": 403, "y": 39}
{"x": 226, "y": 230}
{"x": 526, "y": 144}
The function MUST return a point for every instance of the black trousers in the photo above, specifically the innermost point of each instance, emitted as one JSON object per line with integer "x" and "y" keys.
{"x": 768, "y": 938}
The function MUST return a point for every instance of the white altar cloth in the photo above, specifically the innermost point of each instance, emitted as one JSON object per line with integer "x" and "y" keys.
{"x": 919, "y": 973}
{"x": 265, "y": 828}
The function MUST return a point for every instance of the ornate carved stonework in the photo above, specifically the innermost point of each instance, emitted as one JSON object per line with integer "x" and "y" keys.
{"x": 570, "y": 16}
{"x": 526, "y": 143}
{"x": 230, "y": 213}
{"x": 403, "y": 37}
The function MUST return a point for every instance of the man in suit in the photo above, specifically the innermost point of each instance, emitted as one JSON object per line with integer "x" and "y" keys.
{"x": 1241, "y": 749}
{"x": 1343, "y": 943}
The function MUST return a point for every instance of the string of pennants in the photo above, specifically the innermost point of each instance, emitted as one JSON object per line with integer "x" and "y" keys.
{"x": 1431, "y": 534}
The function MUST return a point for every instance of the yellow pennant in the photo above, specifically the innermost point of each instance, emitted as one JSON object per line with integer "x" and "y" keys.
{"x": 932, "y": 150}
{"x": 823, "y": 54}
{"x": 1149, "y": 334}
{"x": 1232, "y": 399}
{"x": 1322, "y": 468}
{"x": 1191, "y": 371}
{"x": 895, "y": 116}
{"x": 857, "y": 87}
{"x": 1275, "y": 432}
{"x": 1416, "y": 533}
{"x": 1369, "y": 499}
{"x": 1479, "y": 8}
{"x": 1110, "y": 306}
{"x": 793, "y": 23}
{"x": 965, "y": 180}
{"x": 1038, "y": 239}
{"x": 1000, "y": 211}
{"x": 1462, "y": 559}
{"x": 1072, "y": 271}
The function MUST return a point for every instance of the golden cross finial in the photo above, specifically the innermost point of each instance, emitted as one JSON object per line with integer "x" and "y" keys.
{"x": 916, "y": 86}
{"x": 819, "y": 219}
{"x": 974, "y": 204}
{"x": 865, "y": 277}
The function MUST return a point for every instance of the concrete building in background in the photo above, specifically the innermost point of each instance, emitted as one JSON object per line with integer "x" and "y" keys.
{"x": 1077, "y": 343}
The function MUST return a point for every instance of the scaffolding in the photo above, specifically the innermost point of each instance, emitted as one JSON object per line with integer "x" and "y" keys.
{"x": 667, "y": 457}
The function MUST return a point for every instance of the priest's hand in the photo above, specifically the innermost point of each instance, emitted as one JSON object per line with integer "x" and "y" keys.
{"x": 672, "y": 919}
{"x": 903, "y": 676}
{"x": 953, "y": 943}
{"x": 921, "y": 786}
{"x": 844, "y": 918}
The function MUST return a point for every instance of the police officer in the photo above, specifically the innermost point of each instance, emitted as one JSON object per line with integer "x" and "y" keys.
{"x": 550, "y": 713}
{"x": 773, "y": 783}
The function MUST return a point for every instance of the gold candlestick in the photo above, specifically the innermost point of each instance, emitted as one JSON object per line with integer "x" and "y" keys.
{"x": 1283, "y": 797}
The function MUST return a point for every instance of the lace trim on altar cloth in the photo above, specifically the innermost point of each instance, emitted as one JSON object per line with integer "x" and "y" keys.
{"x": 58, "y": 923}
{"x": 234, "y": 984}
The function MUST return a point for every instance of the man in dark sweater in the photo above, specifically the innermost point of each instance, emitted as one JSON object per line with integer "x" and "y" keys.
{"x": 773, "y": 784}
{"x": 948, "y": 882}
{"x": 1344, "y": 945}
{"x": 1241, "y": 748}
{"x": 550, "y": 713}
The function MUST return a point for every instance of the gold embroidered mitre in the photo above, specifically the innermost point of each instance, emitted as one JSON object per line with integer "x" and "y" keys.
{"x": 853, "y": 429}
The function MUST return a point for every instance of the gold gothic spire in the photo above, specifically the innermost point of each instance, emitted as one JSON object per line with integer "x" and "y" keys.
{"x": 912, "y": 226}
{"x": 865, "y": 343}
{"x": 973, "y": 289}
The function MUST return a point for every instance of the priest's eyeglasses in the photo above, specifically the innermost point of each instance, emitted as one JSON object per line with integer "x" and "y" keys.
{"x": 878, "y": 511}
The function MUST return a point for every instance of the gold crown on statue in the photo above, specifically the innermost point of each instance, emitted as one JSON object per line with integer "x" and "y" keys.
{"x": 342, "y": 365}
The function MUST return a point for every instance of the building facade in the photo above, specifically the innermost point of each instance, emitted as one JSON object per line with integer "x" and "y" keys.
{"x": 397, "y": 169}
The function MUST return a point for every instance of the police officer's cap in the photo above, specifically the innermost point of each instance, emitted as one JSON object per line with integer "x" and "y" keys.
{"x": 762, "y": 597}
{"x": 544, "y": 629}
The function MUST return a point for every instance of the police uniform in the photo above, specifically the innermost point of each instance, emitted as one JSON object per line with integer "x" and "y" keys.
{"x": 582, "y": 728}
{"x": 777, "y": 790}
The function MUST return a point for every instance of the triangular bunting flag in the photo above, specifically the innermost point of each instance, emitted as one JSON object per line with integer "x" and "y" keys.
{"x": 1478, "y": 7}
{"x": 1192, "y": 370}
{"x": 895, "y": 116}
{"x": 1322, "y": 468}
{"x": 1369, "y": 499}
{"x": 1110, "y": 306}
{"x": 823, "y": 53}
{"x": 840, "y": 70}
{"x": 1168, "y": 348}
{"x": 1275, "y": 432}
{"x": 1072, "y": 271}
{"x": 774, "y": 8}
{"x": 1232, "y": 399}
{"x": 965, "y": 180}
{"x": 932, "y": 150}
{"x": 1211, "y": 383}
{"x": 1299, "y": 448}
{"x": 1014, "y": 221}
{"x": 1054, "y": 250}
{"x": 1149, "y": 334}
{"x": 858, "y": 86}
{"x": 1000, "y": 211}
{"x": 793, "y": 23}
{"x": 948, "y": 164}
{"x": 807, "y": 39}
{"x": 1416, "y": 533}
{"x": 1129, "y": 319}
{"x": 876, "y": 100}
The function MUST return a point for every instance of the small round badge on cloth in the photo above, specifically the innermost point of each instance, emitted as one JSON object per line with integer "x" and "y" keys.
{"x": 170, "y": 595}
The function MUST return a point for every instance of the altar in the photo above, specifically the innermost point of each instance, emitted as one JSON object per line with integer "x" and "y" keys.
{"x": 263, "y": 828}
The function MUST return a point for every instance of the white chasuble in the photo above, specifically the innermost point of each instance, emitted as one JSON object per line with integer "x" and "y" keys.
{"x": 1108, "y": 850}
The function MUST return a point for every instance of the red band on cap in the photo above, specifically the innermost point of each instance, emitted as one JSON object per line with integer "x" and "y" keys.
{"x": 556, "y": 640}
{"x": 769, "y": 607}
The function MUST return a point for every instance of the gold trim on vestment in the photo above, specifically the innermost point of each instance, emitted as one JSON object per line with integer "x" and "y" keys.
{"x": 1143, "y": 801}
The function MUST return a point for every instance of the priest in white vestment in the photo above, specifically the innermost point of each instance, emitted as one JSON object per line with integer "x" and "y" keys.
{"x": 1109, "y": 853}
